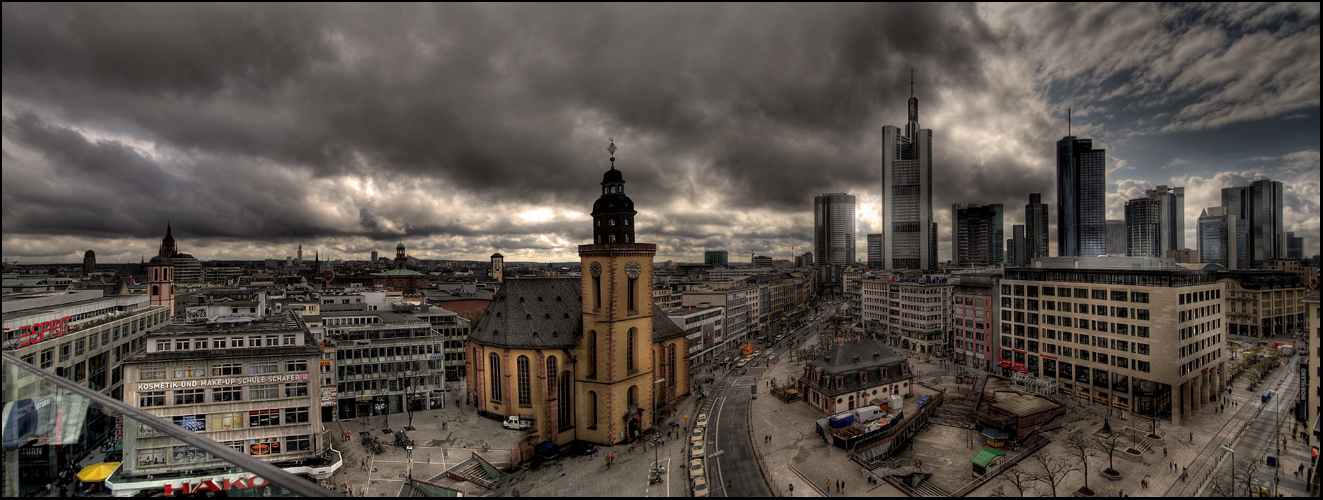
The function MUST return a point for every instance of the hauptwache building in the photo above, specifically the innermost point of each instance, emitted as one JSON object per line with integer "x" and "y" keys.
{"x": 585, "y": 358}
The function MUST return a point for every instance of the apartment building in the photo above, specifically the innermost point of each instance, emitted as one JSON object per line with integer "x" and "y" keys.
{"x": 385, "y": 358}
{"x": 1143, "y": 335}
{"x": 914, "y": 313}
{"x": 976, "y": 319}
{"x": 739, "y": 305}
{"x": 703, "y": 327}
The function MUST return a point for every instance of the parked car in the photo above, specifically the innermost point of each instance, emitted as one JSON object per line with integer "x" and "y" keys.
{"x": 696, "y": 468}
{"x": 582, "y": 448}
{"x": 700, "y": 487}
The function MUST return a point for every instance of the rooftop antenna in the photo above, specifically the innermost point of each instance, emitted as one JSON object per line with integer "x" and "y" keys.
{"x": 911, "y": 82}
{"x": 1067, "y": 122}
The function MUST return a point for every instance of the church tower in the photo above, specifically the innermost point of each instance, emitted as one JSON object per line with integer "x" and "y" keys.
{"x": 615, "y": 379}
{"x": 161, "y": 274}
{"x": 498, "y": 267}
{"x": 401, "y": 260}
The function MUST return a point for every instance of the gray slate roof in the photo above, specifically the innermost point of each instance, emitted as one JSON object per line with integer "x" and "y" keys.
{"x": 840, "y": 359}
{"x": 546, "y": 313}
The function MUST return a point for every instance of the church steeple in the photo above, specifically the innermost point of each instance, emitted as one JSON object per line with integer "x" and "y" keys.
{"x": 167, "y": 243}
{"x": 613, "y": 212}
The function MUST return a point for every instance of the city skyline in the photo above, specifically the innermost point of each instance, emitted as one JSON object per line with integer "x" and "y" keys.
{"x": 464, "y": 130}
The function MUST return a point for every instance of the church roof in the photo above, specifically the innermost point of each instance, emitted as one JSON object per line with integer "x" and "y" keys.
{"x": 400, "y": 272}
{"x": 546, "y": 313}
{"x": 160, "y": 261}
{"x": 533, "y": 313}
{"x": 498, "y": 255}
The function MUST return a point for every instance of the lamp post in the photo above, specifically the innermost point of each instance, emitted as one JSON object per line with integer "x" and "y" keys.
{"x": 656, "y": 460}
{"x": 1233, "y": 468}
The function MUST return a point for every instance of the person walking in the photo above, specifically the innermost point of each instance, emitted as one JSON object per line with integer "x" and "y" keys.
{"x": 1164, "y": 451}
{"x": 1144, "y": 482}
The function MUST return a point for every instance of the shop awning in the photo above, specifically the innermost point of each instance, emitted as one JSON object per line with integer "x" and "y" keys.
{"x": 96, "y": 473}
{"x": 1004, "y": 364}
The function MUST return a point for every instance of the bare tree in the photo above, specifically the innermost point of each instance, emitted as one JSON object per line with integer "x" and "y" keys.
{"x": 1055, "y": 469}
{"x": 1021, "y": 480}
{"x": 1239, "y": 483}
{"x": 1110, "y": 446}
{"x": 1082, "y": 449}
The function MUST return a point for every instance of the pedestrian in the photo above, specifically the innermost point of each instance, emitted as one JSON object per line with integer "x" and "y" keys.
{"x": 443, "y": 426}
{"x": 1164, "y": 451}
{"x": 792, "y": 488}
{"x": 826, "y": 482}
{"x": 1144, "y": 482}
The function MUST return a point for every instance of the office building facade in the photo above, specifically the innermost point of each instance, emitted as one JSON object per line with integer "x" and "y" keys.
{"x": 1223, "y": 239}
{"x": 909, "y": 235}
{"x": 1142, "y": 234}
{"x": 833, "y": 228}
{"x": 976, "y": 239}
{"x": 1035, "y": 227}
{"x": 1017, "y": 247}
{"x": 716, "y": 258}
{"x": 1171, "y": 219}
{"x": 976, "y": 318}
{"x": 1116, "y": 237}
{"x": 1081, "y": 198}
{"x": 1295, "y": 246}
{"x": 1260, "y": 206}
{"x": 875, "y": 251}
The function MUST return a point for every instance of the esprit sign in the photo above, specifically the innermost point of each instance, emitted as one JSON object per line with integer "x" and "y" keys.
{"x": 226, "y": 484}
{"x": 182, "y": 384}
{"x": 44, "y": 330}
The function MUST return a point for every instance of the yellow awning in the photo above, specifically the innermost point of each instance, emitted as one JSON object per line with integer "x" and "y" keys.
{"x": 96, "y": 473}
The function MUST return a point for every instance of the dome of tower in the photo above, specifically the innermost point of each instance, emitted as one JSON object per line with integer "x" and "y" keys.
{"x": 612, "y": 175}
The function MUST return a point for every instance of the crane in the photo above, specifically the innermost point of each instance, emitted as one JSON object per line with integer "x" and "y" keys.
{"x": 751, "y": 253}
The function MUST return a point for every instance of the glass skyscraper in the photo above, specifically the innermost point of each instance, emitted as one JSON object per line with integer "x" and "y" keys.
{"x": 909, "y": 235}
{"x": 1081, "y": 198}
{"x": 1223, "y": 239}
{"x": 1259, "y": 205}
{"x": 1142, "y": 232}
{"x": 833, "y": 229}
{"x": 1035, "y": 227}
{"x": 1171, "y": 225}
{"x": 978, "y": 235}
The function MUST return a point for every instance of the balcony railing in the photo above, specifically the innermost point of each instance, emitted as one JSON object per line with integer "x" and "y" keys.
{"x": 53, "y": 425}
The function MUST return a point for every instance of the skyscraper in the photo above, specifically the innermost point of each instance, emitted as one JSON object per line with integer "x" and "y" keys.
{"x": 875, "y": 251}
{"x": 1035, "y": 227}
{"x": 1141, "y": 227}
{"x": 89, "y": 263}
{"x": 1081, "y": 198}
{"x": 909, "y": 236}
{"x": 1171, "y": 224}
{"x": 1260, "y": 206}
{"x": 1223, "y": 239}
{"x": 976, "y": 238}
{"x": 1115, "y": 237}
{"x": 1295, "y": 246}
{"x": 833, "y": 228}
{"x": 716, "y": 258}
{"x": 1018, "y": 248}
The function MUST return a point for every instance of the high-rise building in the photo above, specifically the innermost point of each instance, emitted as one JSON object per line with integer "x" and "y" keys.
{"x": 1260, "y": 206}
{"x": 1171, "y": 222}
{"x": 1115, "y": 237}
{"x": 875, "y": 251}
{"x": 1223, "y": 239}
{"x": 976, "y": 238}
{"x": 1081, "y": 198}
{"x": 909, "y": 235}
{"x": 89, "y": 263}
{"x": 833, "y": 228}
{"x": 374, "y": 257}
{"x": 1035, "y": 227}
{"x": 761, "y": 262}
{"x": 716, "y": 258}
{"x": 1141, "y": 227}
{"x": 1295, "y": 246}
{"x": 1184, "y": 256}
{"x": 1018, "y": 247}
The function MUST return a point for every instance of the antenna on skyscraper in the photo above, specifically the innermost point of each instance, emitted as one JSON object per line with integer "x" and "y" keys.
{"x": 1067, "y": 122}
{"x": 911, "y": 82}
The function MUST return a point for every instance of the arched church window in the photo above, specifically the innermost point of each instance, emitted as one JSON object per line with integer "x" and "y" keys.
{"x": 525, "y": 388}
{"x": 496, "y": 377}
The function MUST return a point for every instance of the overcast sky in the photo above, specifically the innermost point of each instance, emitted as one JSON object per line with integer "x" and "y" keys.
{"x": 463, "y": 130}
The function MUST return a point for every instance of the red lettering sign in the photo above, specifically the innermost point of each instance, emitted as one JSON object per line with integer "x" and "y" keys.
{"x": 44, "y": 330}
{"x": 227, "y": 484}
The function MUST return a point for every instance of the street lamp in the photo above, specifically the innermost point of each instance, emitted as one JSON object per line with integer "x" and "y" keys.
{"x": 656, "y": 460}
{"x": 1233, "y": 468}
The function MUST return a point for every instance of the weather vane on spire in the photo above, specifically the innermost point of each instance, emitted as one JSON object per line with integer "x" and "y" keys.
{"x": 612, "y": 149}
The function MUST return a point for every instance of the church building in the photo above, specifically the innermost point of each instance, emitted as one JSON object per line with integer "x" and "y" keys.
{"x": 587, "y": 358}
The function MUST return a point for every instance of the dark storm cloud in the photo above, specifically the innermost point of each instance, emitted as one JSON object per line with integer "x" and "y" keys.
{"x": 360, "y": 125}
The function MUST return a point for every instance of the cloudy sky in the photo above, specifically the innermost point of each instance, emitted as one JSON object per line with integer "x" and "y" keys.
{"x": 462, "y": 130}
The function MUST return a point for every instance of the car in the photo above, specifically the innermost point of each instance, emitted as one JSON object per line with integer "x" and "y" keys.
{"x": 698, "y": 432}
{"x": 582, "y": 448}
{"x": 755, "y": 364}
{"x": 696, "y": 450}
{"x": 696, "y": 468}
{"x": 744, "y": 371}
{"x": 701, "y": 420}
{"x": 700, "y": 487}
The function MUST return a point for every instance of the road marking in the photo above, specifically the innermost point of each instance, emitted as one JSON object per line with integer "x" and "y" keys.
{"x": 716, "y": 431}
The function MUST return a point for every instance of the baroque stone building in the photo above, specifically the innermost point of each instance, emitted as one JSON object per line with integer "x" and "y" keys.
{"x": 588, "y": 358}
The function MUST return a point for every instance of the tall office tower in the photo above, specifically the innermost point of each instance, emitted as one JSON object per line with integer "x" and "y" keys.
{"x": 833, "y": 228}
{"x": 1081, "y": 198}
{"x": 1142, "y": 223}
{"x": 1259, "y": 205}
{"x": 1222, "y": 239}
{"x": 875, "y": 251}
{"x": 1295, "y": 246}
{"x": 761, "y": 262}
{"x": 976, "y": 238}
{"x": 374, "y": 257}
{"x": 89, "y": 263}
{"x": 300, "y": 261}
{"x": 909, "y": 236}
{"x": 1035, "y": 227}
{"x": 1115, "y": 237}
{"x": 716, "y": 258}
{"x": 1018, "y": 248}
{"x": 1171, "y": 227}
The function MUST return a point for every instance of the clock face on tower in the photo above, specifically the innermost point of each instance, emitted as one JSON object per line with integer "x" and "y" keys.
{"x": 632, "y": 269}
{"x": 596, "y": 269}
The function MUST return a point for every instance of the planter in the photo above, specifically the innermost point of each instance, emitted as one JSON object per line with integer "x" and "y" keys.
{"x": 1155, "y": 440}
{"x": 1110, "y": 474}
{"x": 1084, "y": 492}
{"x": 1133, "y": 455}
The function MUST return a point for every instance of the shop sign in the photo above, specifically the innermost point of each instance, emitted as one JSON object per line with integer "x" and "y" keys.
{"x": 226, "y": 484}
{"x": 44, "y": 330}
{"x": 329, "y": 396}
{"x": 149, "y": 386}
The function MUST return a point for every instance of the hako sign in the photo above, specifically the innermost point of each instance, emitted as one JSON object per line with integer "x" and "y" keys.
{"x": 44, "y": 330}
{"x": 226, "y": 484}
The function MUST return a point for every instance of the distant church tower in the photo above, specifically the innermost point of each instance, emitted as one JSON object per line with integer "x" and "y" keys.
{"x": 161, "y": 274}
{"x": 400, "y": 259}
{"x": 498, "y": 267}
{"x": 617, "y": 359}
{"x": 89, "y": 263}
